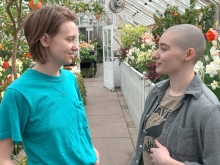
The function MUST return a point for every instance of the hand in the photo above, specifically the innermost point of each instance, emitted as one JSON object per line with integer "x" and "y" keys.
{"x": 98, "y": 157}
{"x": 160, "y": 155}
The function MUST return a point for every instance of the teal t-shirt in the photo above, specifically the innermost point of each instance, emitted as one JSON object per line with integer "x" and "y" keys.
{"x": 53, "y": 129}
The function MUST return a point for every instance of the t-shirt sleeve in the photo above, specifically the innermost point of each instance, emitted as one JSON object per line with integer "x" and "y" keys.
{"x": 14, "y": 113}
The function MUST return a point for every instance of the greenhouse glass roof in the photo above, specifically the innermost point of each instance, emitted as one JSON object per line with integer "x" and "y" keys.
{"x": 141, "y": 11}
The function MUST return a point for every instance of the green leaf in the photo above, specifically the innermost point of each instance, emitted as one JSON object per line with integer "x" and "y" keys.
{"x": 35, "y": 2}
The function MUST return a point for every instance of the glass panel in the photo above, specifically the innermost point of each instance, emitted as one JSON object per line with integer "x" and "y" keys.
{"x": 90, "y": 35}
{"x": 109, "y": 53}
{"x": 109, "y": 37}
{"x": 106, "y": 53}
{"x": 105, "y": 36}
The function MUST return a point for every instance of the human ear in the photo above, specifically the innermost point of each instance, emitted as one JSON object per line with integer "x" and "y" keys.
{"x": 190, "y": 54}
{"x": 44, "y": 40}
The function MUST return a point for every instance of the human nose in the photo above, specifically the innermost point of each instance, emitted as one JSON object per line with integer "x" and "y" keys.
{"x": 75, "y": 46}
{"x": 155, "y": 55}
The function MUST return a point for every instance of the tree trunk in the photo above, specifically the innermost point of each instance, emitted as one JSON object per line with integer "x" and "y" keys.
{"x": 14, "y": 50}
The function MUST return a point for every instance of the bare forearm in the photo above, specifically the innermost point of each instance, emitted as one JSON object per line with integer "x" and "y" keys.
{"x": 7, "y": 162}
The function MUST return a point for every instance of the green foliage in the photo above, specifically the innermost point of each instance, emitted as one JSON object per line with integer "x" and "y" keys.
{"x": 88, "y": 72}
{"x": 81, "y": 6}
{"x": 203, "y": 18}
{"x": 82, "y": 87}
{"x": 7, "y": 31}
{"x": 130, "y": 33}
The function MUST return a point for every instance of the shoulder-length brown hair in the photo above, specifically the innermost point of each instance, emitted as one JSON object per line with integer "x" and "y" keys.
{"x": 47, "y": 19}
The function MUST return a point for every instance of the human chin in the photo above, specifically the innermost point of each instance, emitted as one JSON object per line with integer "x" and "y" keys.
{"x": 159, "y": 70}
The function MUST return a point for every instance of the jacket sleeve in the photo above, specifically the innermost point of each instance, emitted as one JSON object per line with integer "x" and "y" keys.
{"x": 210, "y": 132}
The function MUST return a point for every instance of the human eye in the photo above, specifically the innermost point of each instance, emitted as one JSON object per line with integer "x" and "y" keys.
{"x": 163, "y": 48}
{"x": 70, "y": 38}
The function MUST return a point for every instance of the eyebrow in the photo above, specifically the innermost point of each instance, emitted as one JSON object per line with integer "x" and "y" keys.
{"x": 163, "y": 44}
{"x": 72, "y": 36}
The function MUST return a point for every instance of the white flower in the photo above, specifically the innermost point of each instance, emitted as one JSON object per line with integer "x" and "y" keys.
{"x": 132, "y": 58}
{"x": 214, "y": 51}
{"x": 214, "y": 43}
{"x": 2, "y": 94}
{"x": 199, "y": 67}
{"x": 206, "y": 58}
{"x": 215, "y": 58}
{"x": 129, "y": 54}
{"x": 217, "y": 63}
{"x": 211, "y": 69}
{"x": 214, "y": 85}
{"x": 200, "y": 16}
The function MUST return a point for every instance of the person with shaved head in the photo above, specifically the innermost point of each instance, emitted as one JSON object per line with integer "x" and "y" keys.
{"x": 180, "y": 124}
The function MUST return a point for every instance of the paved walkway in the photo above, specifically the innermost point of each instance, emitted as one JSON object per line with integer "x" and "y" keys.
{"x": 112, "y": 129}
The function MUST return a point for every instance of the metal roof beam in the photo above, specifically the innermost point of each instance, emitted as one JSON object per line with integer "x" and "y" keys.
{"x": 130, "y": 7}
{"x": 140, "y": 7}
{"x": 139, "y": 18}
{"x": 136, "y": 18}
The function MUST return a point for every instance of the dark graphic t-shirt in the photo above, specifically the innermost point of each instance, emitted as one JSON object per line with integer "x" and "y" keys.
{"x": 155, "y": 122}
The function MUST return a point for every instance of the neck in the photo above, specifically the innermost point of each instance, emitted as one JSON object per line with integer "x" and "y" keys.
{"x": 47, "y": 69}
{"x": 179, "y": 83}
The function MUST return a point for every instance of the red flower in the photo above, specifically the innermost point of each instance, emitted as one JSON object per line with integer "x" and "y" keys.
{"x": 28, "y": 55}
{"x": 5, "y": 65}
{"x": 212, "y": 35}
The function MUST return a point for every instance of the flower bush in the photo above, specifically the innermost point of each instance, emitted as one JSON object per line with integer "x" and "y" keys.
{"x": 208, "y": 66}
{"x": 87, "y": 51}
{"x": 139, "y": 56}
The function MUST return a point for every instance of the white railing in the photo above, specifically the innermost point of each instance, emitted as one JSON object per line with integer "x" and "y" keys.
{"x": 135, "y": 90}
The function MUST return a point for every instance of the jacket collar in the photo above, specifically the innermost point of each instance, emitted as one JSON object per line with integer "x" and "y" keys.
{"x": 194, "y": 88}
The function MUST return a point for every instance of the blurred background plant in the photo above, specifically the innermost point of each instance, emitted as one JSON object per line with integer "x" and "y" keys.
{"x": 208, "y": 67}
{"x": 129, "y": 34}
{"x": 87, "y": 51}
{"x": 82, "y": 87}
{"x": 139, "y": 56}
{"x": 93, "y": 7}
{"x": 202, "y": 18}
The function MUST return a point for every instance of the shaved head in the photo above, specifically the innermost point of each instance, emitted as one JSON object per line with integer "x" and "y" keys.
{"x": 188, "y": 36}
